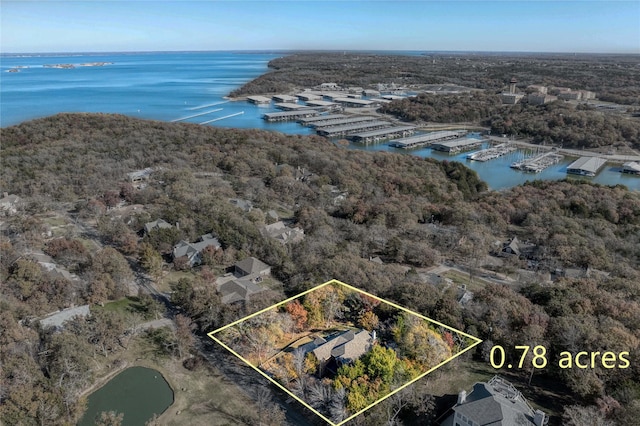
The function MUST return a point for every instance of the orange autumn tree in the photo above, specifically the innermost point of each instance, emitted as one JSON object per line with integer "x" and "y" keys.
{"x": 298, "y": 314}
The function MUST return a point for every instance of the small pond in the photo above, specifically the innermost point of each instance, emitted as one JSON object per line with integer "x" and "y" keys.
{"x": 137, "y": 392}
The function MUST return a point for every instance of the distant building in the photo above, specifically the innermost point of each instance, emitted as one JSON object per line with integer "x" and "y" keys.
{"x": 511, "y": 98}
{"x": 570, "y": 95}
{"x": 57, "y": 319}
{"x": 329, "y": 86}
{"x": 494, "y": 403}
{"x": 540, "y": 98}
{"x": 537, "y": 88}
{"x": 512, "y": 85}
{"x": 586, "y": 94}
{"x": 155, "y": 225}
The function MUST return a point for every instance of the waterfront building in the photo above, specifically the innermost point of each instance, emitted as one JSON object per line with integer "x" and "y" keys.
{"x": 586, "y": 166}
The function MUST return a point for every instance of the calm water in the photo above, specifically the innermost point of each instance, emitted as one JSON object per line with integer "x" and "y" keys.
{"x": 172, "y": 86}
{"x": 137, "y": 392}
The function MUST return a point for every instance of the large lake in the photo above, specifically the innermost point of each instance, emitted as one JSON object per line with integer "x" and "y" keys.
{"x": 171, "y": 86}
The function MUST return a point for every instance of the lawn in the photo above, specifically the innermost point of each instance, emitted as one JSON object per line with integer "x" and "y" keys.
{"x": 462, "y": 278}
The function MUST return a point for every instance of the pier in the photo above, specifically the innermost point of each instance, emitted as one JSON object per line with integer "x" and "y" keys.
{"x": 427, "y": 139}
{"x": 289, "y": 115}
{"x": 491, "y": 153}
{"x": 382, "y": 134}
{"x": 538, "y": 163}
{"x": 258, "y": 100}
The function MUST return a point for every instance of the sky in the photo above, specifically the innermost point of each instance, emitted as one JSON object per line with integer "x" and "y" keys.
{"x": 137, "y": 25}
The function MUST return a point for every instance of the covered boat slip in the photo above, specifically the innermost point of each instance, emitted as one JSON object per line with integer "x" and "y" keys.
{"x": 427, "y": 138}
{"x": 382, "y": 134}
{"x": 586, "y": 166}
{"x": 342, "y": 121}
{"x": 290, "y": 115}
{"x": 337, "y": 131}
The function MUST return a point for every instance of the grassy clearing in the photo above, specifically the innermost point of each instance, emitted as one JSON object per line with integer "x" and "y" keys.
{"x": 461, "y": 278}
{"x": 173, "y": 277}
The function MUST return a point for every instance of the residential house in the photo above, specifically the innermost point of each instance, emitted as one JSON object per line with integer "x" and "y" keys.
{"x": 251, "y": 268}
{"x": 283, "y": 234}
{"x": 9, "y": 204}
{"x": 495, "y": 403}
{"x": 340, "y": 349}
{"x": 193, "y": 251}
{"x": 57, "y": 319}
{"x": 515, "y": 247}
{"x": 155, "y": 225}
{"x": 236, "y": 290}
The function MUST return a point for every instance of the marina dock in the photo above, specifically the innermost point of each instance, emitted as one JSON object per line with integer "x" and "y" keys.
{"x": 457, "y": 145}
{"x": 320, "y": 118}
{"x": 427, "y": 139}
{"x": 341, "y": 121}
{"x": 381, "y": 134}
{"x": 289, "y": 115}
{"x": 538, "y": 163}
{"x": 337, "y": 131}
{"x": 491, "y": 153}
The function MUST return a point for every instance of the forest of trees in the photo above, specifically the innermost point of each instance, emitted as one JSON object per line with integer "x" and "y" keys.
{"x": 613, "y": 77}
{"x": 409, "y": 211}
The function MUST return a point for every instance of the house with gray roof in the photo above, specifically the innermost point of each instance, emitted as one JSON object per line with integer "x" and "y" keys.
{"x": 251, "y": 268}
{"x": 245, "y": 205}
{"x": 236, "y": 290}
{"x": 57, "y": 319}
{"x": 343, "y": 348}
{"x": 515, "y": 247}
{"x": 193, "y": 251}
{"x": 282, "y": 233}
{"x": 155, "y": 225}
{"x": 494, "y": 403}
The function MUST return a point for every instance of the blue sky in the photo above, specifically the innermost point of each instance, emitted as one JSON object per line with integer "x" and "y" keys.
{"x": 530, "y": 26}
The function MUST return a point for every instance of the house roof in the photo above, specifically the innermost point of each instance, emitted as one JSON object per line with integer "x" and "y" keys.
{"x": 279, "y": 231}
{"x": 251, "y": 265}
{"x": 184, "y": 248}
{"x": 156, "y": 224}
{"x": 496, "y": 403}
{"x": 57, "y": 319}
{"x": 347, "y": 346}
{"x": 236, "y": 290}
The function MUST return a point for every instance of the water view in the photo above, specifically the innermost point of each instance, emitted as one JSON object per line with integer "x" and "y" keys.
{"x": 191, "y": 87}
{"x": 137, "y": 392}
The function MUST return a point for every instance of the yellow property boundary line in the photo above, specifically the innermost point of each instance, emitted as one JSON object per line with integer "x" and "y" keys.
{"x": 211, "y": 335}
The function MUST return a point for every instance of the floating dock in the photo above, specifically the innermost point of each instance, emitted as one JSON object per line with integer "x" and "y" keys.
{"x": 538, "y": 163}
{"x": 382, "y": 134}
{"x": 320, "y": 118}
{"x": 586, "y": 166}
{"x": 289, "y": 115}
{"x": 341, "y": 121}
{"x": 492, "y": 153}
{"x": 456, "y": 146}
{"x": 289, "y": 106}
{"x": 427, "y": 139}
{"x": 258, "y": 100}
{"x": 284, "y": 98}
{"x": 337, "y": 131}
